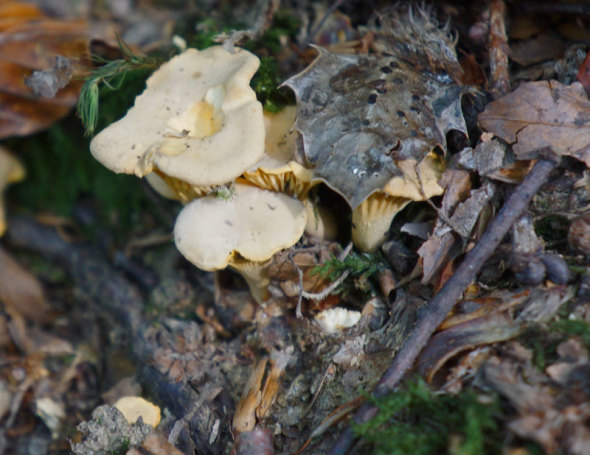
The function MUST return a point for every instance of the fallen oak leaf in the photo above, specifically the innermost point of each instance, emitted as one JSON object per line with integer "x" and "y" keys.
{"x": 542, "y": 114}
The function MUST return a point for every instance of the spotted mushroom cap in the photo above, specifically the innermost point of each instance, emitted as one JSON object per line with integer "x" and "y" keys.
{"x": 198, "y": 121}
{"x": 254, "y": 224}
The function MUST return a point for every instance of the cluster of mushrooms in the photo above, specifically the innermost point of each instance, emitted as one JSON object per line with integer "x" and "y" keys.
{"x": 198, "y": 127}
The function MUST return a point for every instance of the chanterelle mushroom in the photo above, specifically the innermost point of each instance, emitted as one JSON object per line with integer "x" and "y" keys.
{"x": 243, "y": 232}
{"x": 11, "y": 170}
{"x": 197, "y": 125}
{"x": 277, "y": 170}
{"x": 372, "y": 218}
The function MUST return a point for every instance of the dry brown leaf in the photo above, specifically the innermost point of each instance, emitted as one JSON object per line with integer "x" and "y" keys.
{"x": 541, "y": 417}
{"x": 245, "y": 415}
{"x": 542, "y": 114}
{"x": 31, "y": 41}
{"x": 462, "y": 337}
{"x": 436, "y": 251}
{"x": 157, "y": 444}
{"x": 21, "y": 291}
{"x": 490, "y": 324}
{"x": 545, "y": 46}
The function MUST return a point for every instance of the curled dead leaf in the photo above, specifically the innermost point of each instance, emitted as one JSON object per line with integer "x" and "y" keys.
{"x": 542, "y": 114}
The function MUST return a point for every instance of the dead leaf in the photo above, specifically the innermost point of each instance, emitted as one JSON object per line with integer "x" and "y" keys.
{"x": 30, "y": 41}
{"x": 21, "y": 291}
{"x": 540, "y": 416}
{"x": 462, "y": 337}
{"x": 360, "y": 114}
{"x": 489, "y": 324}
{"x": 542, "y": 114}
{"x": 245, "y": 415}
{"x": 156, "y": 443}
{"x": 545, "y": 46}
{"x": 436, "y": 251}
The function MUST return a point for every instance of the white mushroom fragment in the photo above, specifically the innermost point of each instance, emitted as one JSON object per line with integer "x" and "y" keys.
{"x": 135, "y": 407}
{"x": 197, "y": 125}
{"x": 243, "y": 232}
{"x": 372, "y": 218}
{"x": 11, "y": 170}
{"x": 337, "y": 319}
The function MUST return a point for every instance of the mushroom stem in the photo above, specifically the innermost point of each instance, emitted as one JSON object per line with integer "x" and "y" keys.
{"x": 256, "y": 276}
{"x": 372, "y": 218}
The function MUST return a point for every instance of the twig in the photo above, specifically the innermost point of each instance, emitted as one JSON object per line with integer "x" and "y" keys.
{"x": 312, "y": 32}
{"x": 263, "y": 23}
{"x": 326, "y": 292}
{"x": 443, "y": 302}
{"x": 498, "y": 43}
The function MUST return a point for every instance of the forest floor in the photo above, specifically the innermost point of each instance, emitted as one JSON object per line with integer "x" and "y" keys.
{"x": 98, "y": 304}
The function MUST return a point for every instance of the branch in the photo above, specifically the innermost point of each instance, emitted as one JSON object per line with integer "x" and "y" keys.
{"x": 443, "y": 302}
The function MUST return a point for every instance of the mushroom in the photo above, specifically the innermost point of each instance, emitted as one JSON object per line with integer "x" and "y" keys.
{"x": 197, "y": 125}
{"x": 11, "y": 170}
{"x": 242, "y": 233}
{"x": 337, "y": 319}
{"x": 135, "y": 407}
{"x": 372, "y": 218}
{"x": 277, "y": 170}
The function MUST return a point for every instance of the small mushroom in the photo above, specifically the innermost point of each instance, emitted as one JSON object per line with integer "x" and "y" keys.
{"x": 11, "y": 170}
{"x": 242, "y": 233}
{"x": 197, "y": 125}
{"x": 372, "y": 218}
{"x": 337, "y": 319}
{"x": 277, "y": 170}
{"x": 135, "y": 407}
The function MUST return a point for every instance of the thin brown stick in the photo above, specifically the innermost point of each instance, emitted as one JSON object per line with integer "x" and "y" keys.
{"x": 498, "y": 44}
{"x": 443, "y": 302}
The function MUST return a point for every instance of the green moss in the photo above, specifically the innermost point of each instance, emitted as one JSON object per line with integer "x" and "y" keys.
{"x": 417, "y": 421}
{"x": 61, "y": 171}
{"x": 266, "y": 85}
{"x": 362, "y": 265}
{"x": 569, "y": 328}
{"x": 362, "y": 268}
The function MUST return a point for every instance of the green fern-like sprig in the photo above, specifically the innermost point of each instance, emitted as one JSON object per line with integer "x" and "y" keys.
{"x": 362, "y": 265}
{"x": 110, "y": 74}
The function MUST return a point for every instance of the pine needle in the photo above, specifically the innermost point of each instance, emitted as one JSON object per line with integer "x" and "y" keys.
{"x": 111, "y": 75}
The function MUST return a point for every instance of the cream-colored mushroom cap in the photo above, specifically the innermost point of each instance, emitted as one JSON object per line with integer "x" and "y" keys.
{"x": 198, "y": 121}
{"x": 277, "y": 170}
{"x": 253, "y": 224}
{"x": 372, "y": 218}
{"x": 11, "y": 170}
{"x": 135, "y": 407}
